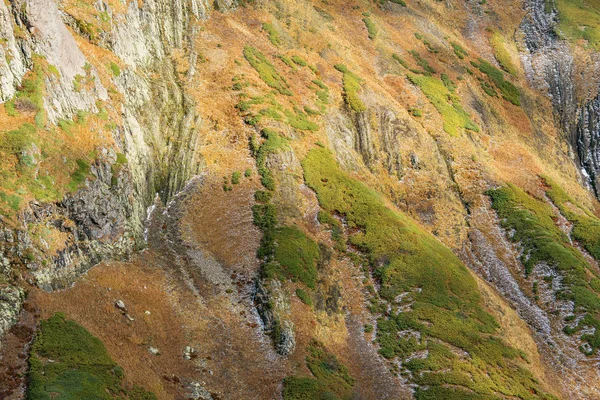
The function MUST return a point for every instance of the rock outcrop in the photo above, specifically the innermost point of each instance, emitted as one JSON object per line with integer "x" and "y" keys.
{"x": 157, "y": 131}
{"x": 551, "y": 66}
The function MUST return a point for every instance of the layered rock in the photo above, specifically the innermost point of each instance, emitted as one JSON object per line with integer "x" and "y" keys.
{"x": 157, "y": 132}
{"x": 551, "y": 66}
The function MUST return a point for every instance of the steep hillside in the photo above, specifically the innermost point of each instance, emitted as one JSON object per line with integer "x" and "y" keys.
{"x": 299, "y": 199}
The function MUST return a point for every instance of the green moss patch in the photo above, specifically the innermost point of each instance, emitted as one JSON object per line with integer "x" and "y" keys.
{"x": 330, "y": 379}
{"x": 428, "y": 70}
{"x": 299, "y": 61}
{"x": 507, "y": 89}
{"x": 352, "y": 85}
{"x": 295, "y": 257}
{"x": 460, "y": 52}
{"x": 266, "y": 70}
{"x": 502, "y": 55}
{"x": 578, "y": 20}
{"x": 67, "y": 362}
{"x": 447, "y": 104}
{"x": 79, "y": 175}
{"x": 304, "y": 296}
{"x": 114, "y": 68}
{"x": 371, "y": 28}
{"x": 274, "y": 37}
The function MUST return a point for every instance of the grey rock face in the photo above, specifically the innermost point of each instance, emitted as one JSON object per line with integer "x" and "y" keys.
{"x": 197, "y": 392}
{"x": 95, "y": 221}
{"x": 539, "y": 25}
{"x": 50, "y": 38}
{"x": 159, "y": 133}
{"x": 375, "y": 145}
{"x": 11, "y": 301}
{"x": 588, "y": 141}
{"x": 13, "y": 63}
{"x": 274, "y": 309}
{"x": 549, "y": 66}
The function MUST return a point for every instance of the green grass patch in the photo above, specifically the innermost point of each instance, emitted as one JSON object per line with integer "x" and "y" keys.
{"x": 295, "y": 257}
{"x": 304, "y": 296}
{"x": 298, "y": 119}
{"x": 330, "y": 379}
{"x": 586, "y": 226}
{"x": 449, "y": 83}
{"x": 445, "y": 304}
{"x": 310, "y": 111}
{"x": 287, "y": 61}
{"x": 460, "y": 52}
{"x": 12, "y": 201}
{"x": 532, "y": 223}
{"x": 16, "y": 141}
{"x": 79, "y": 175}
{"x": 272, "y": 143}
{"x": 447, "y": 104}
{"x": 508, "y": 91}
{"x": 371, "y": 28}
{"x": 31, "y": 92}
{"x": 80, "y": 368}
{"x": 235, "y": 177}
{"x": 322, "y": 91}
{"x": 578, "y": 20}
{"x": 274, "y": 37}
{"x": 352, "y": 85}
{"x": 502, "y": 55}
{"x": 299, "y": 61}
{"x": 423, "y": 63}
{"x": 400, "y": 60}
{"x": 114, "y": 68}
{"x": 266, "y": 70}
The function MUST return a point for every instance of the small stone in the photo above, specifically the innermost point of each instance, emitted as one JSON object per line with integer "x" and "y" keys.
{"x": 147, "y": 312}
{"x": 121, "y": 305}
{"x": 189, "y": 352}
{"x": 154, "y": 351}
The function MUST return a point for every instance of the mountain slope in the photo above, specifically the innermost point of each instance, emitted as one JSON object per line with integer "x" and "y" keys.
{"x": 300, "y": 199}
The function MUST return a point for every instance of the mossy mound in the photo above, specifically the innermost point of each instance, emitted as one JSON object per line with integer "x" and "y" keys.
{"x": 68, "y": 362}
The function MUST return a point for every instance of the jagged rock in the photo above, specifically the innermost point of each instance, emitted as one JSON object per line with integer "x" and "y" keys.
{"x": 11, "y": 301}
{"x": 273, "y": 307}
{"x": 50, "y": 38}
{"x": 225, "y": 5}
{"x": 196, "y": 391}
{"x": 587, "y": 141}
{"x": 550, "y": 66}
{"x": 189, "y": 352}
{"x": 13, "y": 61}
